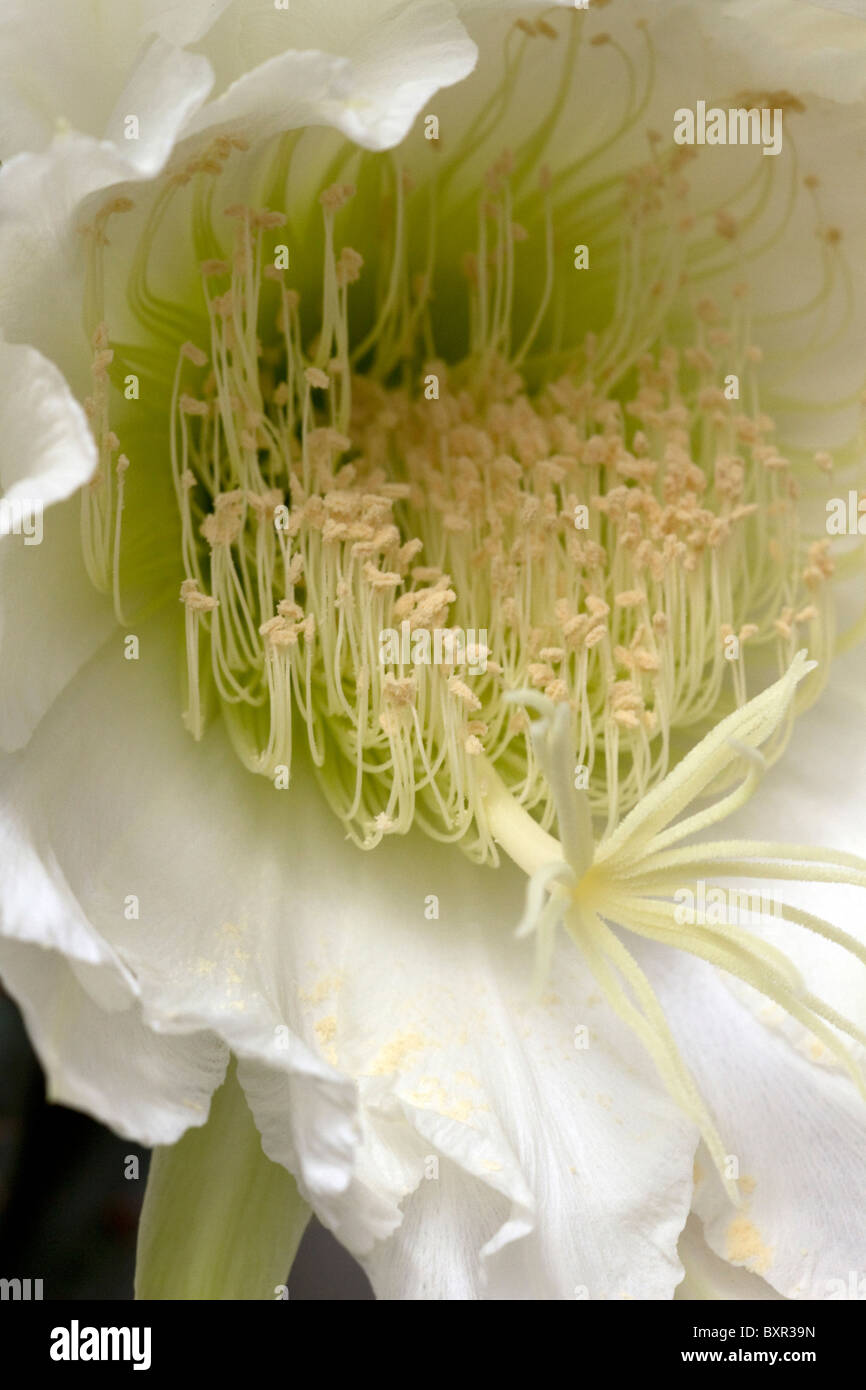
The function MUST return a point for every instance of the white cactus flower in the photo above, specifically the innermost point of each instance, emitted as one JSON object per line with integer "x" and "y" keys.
{"x": 484, "y": 381}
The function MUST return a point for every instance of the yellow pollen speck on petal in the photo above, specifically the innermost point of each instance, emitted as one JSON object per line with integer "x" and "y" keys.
{"x": 326, "y": 1032}
{"x": 326, "y": 988}
{"x": 326, "y": 1028}
{"x": 431, "y": 1094}
{"x": 466, "y": 1078}
{"x": 744, "y": 1246}
{"x": 395, "y": 1055}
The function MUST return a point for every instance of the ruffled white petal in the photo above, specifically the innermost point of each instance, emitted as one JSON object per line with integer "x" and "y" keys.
{"x": 42, "y": 253}
{"x": 796, "y": 1131}
{"x": 163, "y": 91}
{"x": 48, "y": 450}
{"x": 709, "y": 1278}
{"x": 571, "y": 1174}
{"x": 68, "y": 65}
{"x": 50, "y": 618}
{"x": 82, "y": 1009}
{"x": 364, "y": 68}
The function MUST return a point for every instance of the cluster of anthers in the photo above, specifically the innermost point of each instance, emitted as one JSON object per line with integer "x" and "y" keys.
{"x": 616, "y": 529}
{"x": 610, "y": 562}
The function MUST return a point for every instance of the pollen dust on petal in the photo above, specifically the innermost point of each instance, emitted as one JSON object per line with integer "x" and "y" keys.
{"x": 466, "y": 1078}
{"x": 432, "y": 1094}
{"x": 394, "y": 1055}
{"x": 744, "y": 1246}
{"x": 323, "y": 989}
{"x": 326, "y": 1032}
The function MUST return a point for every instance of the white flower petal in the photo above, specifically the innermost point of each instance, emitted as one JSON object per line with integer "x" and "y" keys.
{"x": 63, "y": 139}
{"x": 181, "y": 22}
{"x": 798, "y": 1134}
{"x": 68, "y": 65}
{"x": 365, "y": 68}
{"x": 51, "y": 621}
{"x": 112, "y": 1065}
{"x": 814, "y": 49}
{"x": 847, "y": 7}
{"x": 82, "y": 1009}
{"x": 48, "y": 450}
{"x": 42, "y": 255}
{"x": 708, "y": 1277}
{"x": 570, "y": 1167}
{"x": 433, "y": 1255}
{"x": 165, "y": 89}
{"x": 50, "y": 618}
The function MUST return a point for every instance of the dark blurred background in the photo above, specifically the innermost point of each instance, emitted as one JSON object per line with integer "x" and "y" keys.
{"x": 68, "y": 1215}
